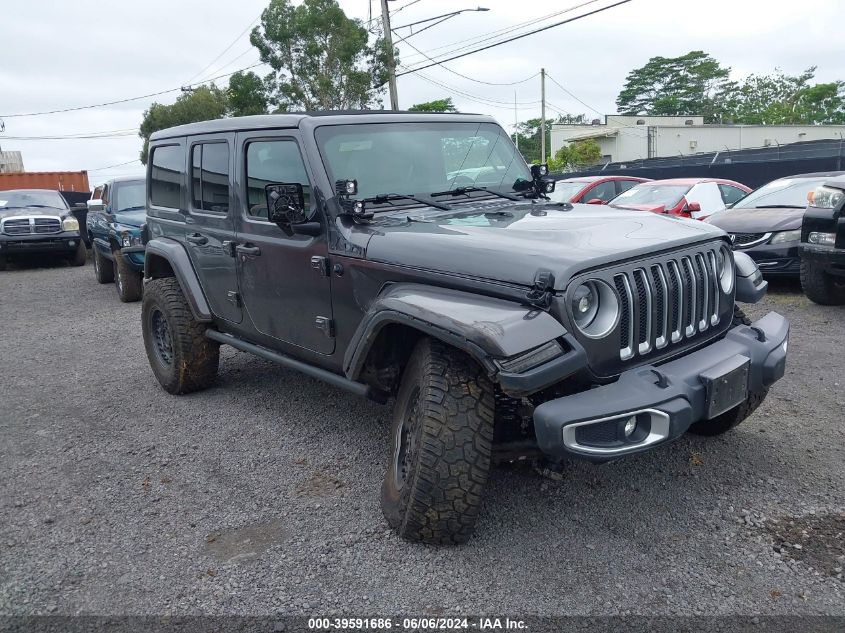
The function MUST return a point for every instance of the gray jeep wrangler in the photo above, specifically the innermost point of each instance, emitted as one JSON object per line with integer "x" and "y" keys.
{"x": 416, "y": 259}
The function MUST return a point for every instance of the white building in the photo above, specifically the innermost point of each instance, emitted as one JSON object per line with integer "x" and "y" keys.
{"x": 10, "y": 162}
{"x": 630, "y": 138}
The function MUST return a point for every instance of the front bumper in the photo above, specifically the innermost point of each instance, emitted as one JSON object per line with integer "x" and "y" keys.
{"x": 664, "y": 399}
{"x": 830, "y": 258}
{"x": 776, "y": 260}
{"x": 64, "y": 242}
{"x": 134, "y": 257}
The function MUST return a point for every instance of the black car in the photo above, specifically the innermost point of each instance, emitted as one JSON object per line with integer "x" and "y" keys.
{"x": 38, "y": 221}
{"x": 415, "y": 259}
{"x": 766, "y": 224}
{"x": 823, "y": 245}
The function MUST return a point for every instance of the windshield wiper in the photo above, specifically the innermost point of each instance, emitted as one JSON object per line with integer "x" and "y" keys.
{"x": 462, "y": 191}
{"x": 779, "y": 206}
{"x": 384, "y": 198}
{"x": 135, "y": 208}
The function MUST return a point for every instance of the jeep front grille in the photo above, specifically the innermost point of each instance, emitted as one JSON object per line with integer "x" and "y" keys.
{"x": 667, "y": 302}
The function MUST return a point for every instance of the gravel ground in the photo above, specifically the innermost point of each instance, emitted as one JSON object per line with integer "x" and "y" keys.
{"x": 260, "y": 495}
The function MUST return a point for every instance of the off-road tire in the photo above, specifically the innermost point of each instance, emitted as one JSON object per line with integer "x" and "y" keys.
{"x": 128, "y": 283}
{"x": 821, "y": 287}
{"x": 103, "y": 268}
{"x": 181, "y": 357}
{"x": 729, "y": 419}
{"x": 442, "y": 438}
{"x": 80, "y": 255}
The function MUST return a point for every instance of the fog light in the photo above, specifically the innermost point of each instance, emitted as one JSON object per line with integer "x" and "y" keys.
{"x": 71, "y": 243}
{"x": 630, "y": 426}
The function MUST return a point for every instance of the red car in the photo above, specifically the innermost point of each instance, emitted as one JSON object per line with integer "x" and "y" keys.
{"x": 593, "y": 189}
{"x": 687, "y": 197}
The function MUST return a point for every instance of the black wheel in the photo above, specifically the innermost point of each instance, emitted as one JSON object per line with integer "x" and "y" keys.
{"x": 129, "y": 283}
{"x": 182, "y": 358}
{"x": 821, "y": 287}
{"x": 729, "y": 419}
{"x": 103, "y": 268}
{"x": 79, "y": 255}
{"x": 442, "y": 437}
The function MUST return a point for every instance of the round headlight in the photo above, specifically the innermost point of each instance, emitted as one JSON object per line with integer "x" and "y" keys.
{"x": 725, "y": 269}
{"x": 595, "y": 308}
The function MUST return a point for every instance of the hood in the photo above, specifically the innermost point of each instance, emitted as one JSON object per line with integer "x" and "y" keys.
{"x": 131, "y": 218}
{"x": 509, "y": 242}
{"x": 29, "y": 211}
{"x": 654, "y": 208}
{"x": 757, "y": 220}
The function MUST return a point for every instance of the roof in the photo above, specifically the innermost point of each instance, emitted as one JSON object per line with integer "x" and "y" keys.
{"x": 125, "y": 178}
{"x": 694, "y": 181}
{"x": 293, "y": 119}
{"x": 597, "y": 178}
{"x": 818, "y": 174}
{"x": 30, "y": 191}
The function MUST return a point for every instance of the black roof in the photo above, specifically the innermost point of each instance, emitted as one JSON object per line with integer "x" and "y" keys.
{"x": 293, "y": 119}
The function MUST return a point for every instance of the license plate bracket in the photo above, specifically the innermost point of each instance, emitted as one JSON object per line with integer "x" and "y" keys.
{"x": 726, "y": 384}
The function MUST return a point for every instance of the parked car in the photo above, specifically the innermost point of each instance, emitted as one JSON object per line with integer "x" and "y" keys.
{"x": 501, "y": 325}
{"x": 766, "y": 223}
{"x": 115, "y": 216}
{"x": 823, "y": 244}
{"x": 592, "y": 189}
{"x": 687, "y": 197}
{"x": 38, "y": 221}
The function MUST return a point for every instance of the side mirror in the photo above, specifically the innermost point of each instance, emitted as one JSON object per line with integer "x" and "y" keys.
{"x": 95, "y": 204}
{"x": 80, "y": 205}
{"x": 595, "y": 201}
{"x": 285, "y": 204}
{"x": 693, "y": 207}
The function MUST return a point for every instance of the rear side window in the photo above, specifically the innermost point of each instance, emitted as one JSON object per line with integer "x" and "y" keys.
{"x": 167, "y": 163}
{"x": 731, "y": 194}
{"x": 210, "y": 177}
{"x": 624, "y": 185}
{"x": 604, "y": 191}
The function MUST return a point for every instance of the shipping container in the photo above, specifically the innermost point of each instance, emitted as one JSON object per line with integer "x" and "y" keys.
{"x": 56, "y": 180}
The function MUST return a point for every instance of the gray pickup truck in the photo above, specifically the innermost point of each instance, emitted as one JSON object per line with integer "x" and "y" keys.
{"x": 416, "y": 259}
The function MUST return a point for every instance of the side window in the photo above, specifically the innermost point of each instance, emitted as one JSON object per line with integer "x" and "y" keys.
{"x": 272, "y": 162}
{"x": 105, "y": 195}
{"x": 166, "y": 176}
{"x": 604, "y": 191}
{"x": 97, "y": 194}
{"x": 731, "y": 194}
{"x": 624, "y": 185}
{"x": 210, "y": 177}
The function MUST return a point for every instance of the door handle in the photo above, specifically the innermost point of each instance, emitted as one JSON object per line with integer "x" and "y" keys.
{"x": 196, "y": 238}
{"x": 244, "y": 249}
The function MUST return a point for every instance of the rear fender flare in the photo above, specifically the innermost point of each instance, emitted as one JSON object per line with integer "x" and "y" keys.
{"x": 165, "y": 258}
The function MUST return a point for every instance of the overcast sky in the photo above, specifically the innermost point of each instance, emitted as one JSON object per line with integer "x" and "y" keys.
{"x": 59, "y": 54}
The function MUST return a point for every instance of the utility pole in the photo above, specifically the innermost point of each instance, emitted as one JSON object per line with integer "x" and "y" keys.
{"x": 542, "y": 115}
{"x": 391, "y": 62}
{"x": 516, "y": 123}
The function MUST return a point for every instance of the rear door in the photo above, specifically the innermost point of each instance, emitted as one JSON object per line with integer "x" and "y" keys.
{"x": 284, "y": 278}
{"x": 209, "y": 225}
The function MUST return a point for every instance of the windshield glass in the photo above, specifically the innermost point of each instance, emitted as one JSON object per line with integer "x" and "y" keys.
{"x": 20, "y": 198}
{"x": 566, "y": 190}
{"x": 788, "y": 192}
{"x": 421, "y": 158}
{"x": 652, "y": 195}
{"x": 129, "y": 195}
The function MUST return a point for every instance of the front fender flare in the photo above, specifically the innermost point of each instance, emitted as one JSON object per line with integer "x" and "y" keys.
{"x": 485, "y": 327}
{"x": 180, "y": 263}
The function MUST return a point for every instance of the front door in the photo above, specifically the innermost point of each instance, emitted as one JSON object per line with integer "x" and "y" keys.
{"x": 210, "y": 226}
{"x": 283, "y": 278}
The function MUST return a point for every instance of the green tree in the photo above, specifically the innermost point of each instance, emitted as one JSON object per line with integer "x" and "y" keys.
{"x": 200, "y": 104}
{"x": 246, "y": 94}
{"x": 780, "y": 99}
{"x": 685, "y": 85}
{"x": 576, "y": 155}
{"x": 322, "y": 60}
{"x": 438, "y": 105}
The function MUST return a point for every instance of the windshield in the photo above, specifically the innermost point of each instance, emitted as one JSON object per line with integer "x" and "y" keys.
{"x": 786, "y": 192}
{"x": 52, "y": 199}
{"x": 564, "y": 191}
{"x": 421, "y": 158}
{"x": 652, "y": 195}
{"x": 130, "y": 195}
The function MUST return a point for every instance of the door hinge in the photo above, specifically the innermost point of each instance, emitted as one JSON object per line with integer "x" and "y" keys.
{"x": 234, "y": 298}
{"x": 321, "y": 265}
{"x": 326, "y": 325}
{"x": 229, "y": 247}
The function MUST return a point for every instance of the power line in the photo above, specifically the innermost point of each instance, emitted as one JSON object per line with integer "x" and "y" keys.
{"x": 586, "y": 105}
{"x": 517, "y": 37}
{"x": 108, "y": 103}
{"x": 506, "y": 105}
{"x": 129, "y": 162}
{"x": 486, "y": 37}
{"x": 225, "y": 50}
